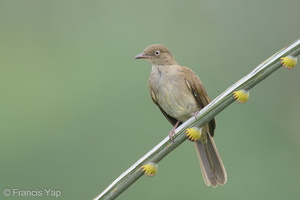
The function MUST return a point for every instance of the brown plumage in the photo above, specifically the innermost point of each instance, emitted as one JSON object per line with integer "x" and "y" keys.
{"x": 178, "y": 92}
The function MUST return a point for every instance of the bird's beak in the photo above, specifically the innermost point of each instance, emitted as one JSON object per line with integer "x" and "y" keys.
{"x": 141, "y": 56}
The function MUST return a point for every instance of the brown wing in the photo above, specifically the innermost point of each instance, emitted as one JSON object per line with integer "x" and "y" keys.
{"x": 196, "y": 87}
{"x": 172, "y": 120}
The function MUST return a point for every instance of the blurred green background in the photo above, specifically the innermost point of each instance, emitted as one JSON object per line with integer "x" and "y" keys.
{"x": 75, "y": 107}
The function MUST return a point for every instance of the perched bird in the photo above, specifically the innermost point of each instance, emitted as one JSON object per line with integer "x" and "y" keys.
{"x": 179, "y": 94}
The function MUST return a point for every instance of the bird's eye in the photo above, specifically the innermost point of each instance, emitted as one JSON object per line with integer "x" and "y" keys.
{"x": 157, "y": 53}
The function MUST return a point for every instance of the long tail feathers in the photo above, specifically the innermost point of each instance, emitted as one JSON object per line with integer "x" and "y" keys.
{"x": 213, "y": 170}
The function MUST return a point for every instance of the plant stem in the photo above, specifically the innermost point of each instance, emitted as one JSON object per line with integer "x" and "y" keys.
{"x": 204, "y": 116}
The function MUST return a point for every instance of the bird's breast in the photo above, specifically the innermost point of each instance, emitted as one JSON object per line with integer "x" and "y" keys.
{"x": 172, "y": 93}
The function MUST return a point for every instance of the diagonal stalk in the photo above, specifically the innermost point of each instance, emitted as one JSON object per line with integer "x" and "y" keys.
{"x": 205, "y": 115}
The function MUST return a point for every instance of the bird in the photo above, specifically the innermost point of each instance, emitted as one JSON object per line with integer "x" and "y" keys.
{"x": 179, "y": 94}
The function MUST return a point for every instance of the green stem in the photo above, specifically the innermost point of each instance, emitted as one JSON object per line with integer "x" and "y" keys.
{"x": 205, "y": 115}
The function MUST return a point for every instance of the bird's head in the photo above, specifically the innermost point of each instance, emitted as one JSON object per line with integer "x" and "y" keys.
{"x": 157, "y": 54}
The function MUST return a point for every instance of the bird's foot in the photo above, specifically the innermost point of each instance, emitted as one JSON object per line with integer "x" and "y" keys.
{"x": 195, "y": 113}
{"x": 172, "y": 131}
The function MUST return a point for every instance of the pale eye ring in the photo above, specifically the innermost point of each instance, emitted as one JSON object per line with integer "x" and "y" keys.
{"x": 157, "y": 53}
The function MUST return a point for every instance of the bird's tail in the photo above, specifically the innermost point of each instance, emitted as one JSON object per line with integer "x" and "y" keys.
{"x": 213, "y": 170}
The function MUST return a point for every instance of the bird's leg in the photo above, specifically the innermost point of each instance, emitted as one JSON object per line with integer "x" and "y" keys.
{"x": 172, "y": 131}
